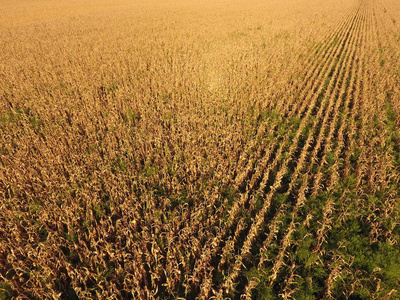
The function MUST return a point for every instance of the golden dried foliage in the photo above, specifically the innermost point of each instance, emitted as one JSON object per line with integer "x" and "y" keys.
{"x": 199, "y": 149}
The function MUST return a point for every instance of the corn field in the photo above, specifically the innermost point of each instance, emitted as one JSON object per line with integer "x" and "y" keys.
{"x": 200, "y": 149}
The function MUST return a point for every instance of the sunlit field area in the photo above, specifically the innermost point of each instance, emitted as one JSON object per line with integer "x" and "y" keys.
{"x": 200, "y": 149}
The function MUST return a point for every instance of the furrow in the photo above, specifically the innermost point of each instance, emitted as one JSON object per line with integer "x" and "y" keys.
{"x": 331, "y": 184}
{"x": 311, "y": 82}
{"x": 326, "y": 144}
{"x": 316, "y": 69}
{"x": 334, "y": 103}
{"x": 259, "y": 219}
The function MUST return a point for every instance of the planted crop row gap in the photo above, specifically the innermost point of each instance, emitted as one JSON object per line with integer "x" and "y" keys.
{"x": 300, "y": 200}
{"x": 248, "y": 241}
{"x": 327, "y": 146}
{"x": 310, "y": 83}
{"x": 308, "y": 79}
{"x": 316, "y": 83}
{"x": 290, "y": 230}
